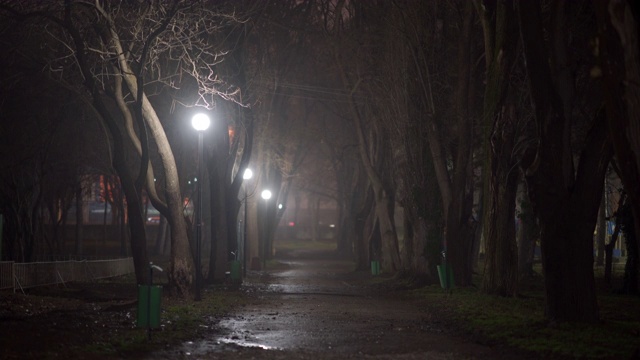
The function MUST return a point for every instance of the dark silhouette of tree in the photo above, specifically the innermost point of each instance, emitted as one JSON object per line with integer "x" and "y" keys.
{"x": 618, "y": 55}
{"x": 565, "y": 201}
{"x": 109, "y": 51}
{"x": 500, "y": 32}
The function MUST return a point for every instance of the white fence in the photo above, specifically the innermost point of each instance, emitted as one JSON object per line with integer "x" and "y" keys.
{"x": 26, "y": 275}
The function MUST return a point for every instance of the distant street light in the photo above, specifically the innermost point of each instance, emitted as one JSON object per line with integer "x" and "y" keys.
{"x": 248, "y": 174}
{"x": 200, "y": 122}
{"x": 266, "y": 195}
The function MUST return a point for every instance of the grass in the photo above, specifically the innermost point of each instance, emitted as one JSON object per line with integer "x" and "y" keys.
{"x": 520, "y": 322}
{"x": 181, "y": 321}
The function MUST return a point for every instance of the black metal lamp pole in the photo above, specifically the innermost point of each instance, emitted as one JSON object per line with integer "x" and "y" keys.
{"x": 248, "y": 174}
{"x": 244, "y": 235}
{"x": 200, "y": 122}
{"x": 266, "y": 195}
{"x": 198, "y": 214}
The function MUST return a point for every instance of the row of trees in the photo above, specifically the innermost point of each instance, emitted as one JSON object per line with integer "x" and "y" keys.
{"x": 130, "y": 65}
{"x": 442, "y": 107}
{"x": 138, "y": 72}
{"x": 455, "y": 101}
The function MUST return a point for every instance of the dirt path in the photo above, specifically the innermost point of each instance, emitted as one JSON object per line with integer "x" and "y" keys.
{"x": 317, "y": 309}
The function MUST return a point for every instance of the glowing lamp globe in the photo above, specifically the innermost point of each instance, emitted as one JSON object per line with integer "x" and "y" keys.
{"x": 200, "y": 122}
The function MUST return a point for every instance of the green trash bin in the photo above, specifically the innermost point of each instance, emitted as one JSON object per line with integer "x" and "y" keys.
{"x": 149, "y": 311}
{"x": 375, "y": 267}
{"x": 446, "y": 276}
{"x": 236, "y": 271}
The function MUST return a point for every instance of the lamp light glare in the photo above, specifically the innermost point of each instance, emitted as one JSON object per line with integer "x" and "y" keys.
{"x": 266, "y": 194}
{"x": 248, "y": 174}
{"x": 200, "y": 122}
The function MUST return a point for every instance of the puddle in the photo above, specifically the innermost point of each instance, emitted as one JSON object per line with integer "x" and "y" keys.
{"x": 247, "y": 344}
{"x": 235, "y": 337}
{"x": 197, "y": 349}
{"x": 251, "y": 331}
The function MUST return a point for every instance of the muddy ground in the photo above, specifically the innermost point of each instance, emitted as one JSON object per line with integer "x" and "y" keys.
{"x": 310, "y": 307}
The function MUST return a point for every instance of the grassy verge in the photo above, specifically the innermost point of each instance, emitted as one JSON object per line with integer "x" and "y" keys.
{"x": 181, "y": 321}
{"x": 519, "y": 322}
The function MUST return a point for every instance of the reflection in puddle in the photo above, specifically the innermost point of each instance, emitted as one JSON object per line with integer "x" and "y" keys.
{"x": 199, "y": 348}
{"x": 244, "y": 343}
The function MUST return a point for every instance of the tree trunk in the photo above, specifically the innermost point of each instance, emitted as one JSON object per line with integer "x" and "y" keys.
{"x": 458, "y": 233}
{"x": 608, "y": 265}
{"x": 567, "y": 224}
{"x": 619, "y": 52}
{"x": 233, "y": 210}
{"x": 420, "y": 264}
{"x": 501, "y": 263}
{"x": 79, "y": 220}
{"x": 630, "y": 280}
{"x": 351, "y": 194}
{"x": 501, "y": 266}
{"x": 528, "y": 234}
{"x": 459, "y": 239}
{"x": 362, "y": 229}
{"x": 315, "y": 203}
{"x": 371, "y": 150}
{"x": 389, "y": 246}
{"x": 345, "y": 231}
{"x": 138, "y": 238}
{"x": 161, "y": 236}
{"x": 601, "y": 231}
{"x": 407, "y": 241}
{"x": 567, "y": 208}
{"x": 568, "y": 265}
{"x": 134, "y": 204}
{"x": 122, "y": 223}
{"x": 346, "y": 226}
{"x": 218, "y": 223}
{"x": 181, "y": 269}
{"x": 181, "y": 274}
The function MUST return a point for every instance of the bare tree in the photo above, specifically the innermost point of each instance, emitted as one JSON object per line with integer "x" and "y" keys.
{"x": 565, "y": 200}
{"x": 500, "y": 33}
{"x": 111, "y": 50}
{"x": 619, "y": 54}
{"x": 373, "y": 141}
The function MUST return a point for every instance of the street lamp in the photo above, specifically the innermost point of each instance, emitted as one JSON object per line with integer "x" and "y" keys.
{"x": 248, "y": 174}
{"x": 200, "y": 122}
{"x": 266, "y": 195}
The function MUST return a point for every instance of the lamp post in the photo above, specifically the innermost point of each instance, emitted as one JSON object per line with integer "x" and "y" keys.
{"x": 248, "y": 174}
{"x": 200, "y": 122}
{"x": 266, "y": 195}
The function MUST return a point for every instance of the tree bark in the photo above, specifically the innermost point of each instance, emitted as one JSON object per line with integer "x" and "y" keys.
{"x": 382, "y": 197}
{"x": 79, "y": 219}
{"x": 362, "y": 228}
{"x": 134, "y": 204}
{"x": 458, "y": 231}
{"x": 601, "y": 231}
{"x": 528, "y": 236}
{"x": 608, "y": 265}
{"x": 181, "y": 268}
{"x": 619, "y": 55}
{"x": 567, "y": 209}
{"x": 501, "y": 265}
{"x": 501, "y": 262}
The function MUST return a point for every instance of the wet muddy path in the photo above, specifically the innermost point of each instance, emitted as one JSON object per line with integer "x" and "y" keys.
{"x": 319, "y": 309}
